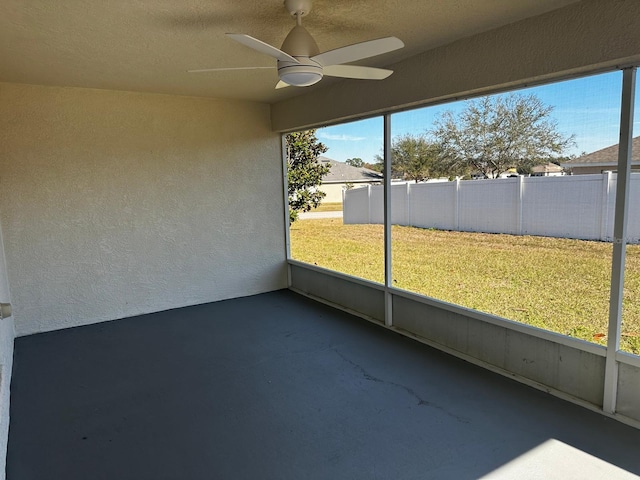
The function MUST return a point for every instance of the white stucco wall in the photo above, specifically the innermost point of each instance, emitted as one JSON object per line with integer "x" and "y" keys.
{"x": 333, "y": 192}
{"x": 6, "y": 361}
{"x": 115, "y": 204}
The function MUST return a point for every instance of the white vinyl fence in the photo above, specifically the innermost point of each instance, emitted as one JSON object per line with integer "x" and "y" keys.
{"x": 580, "y": 206}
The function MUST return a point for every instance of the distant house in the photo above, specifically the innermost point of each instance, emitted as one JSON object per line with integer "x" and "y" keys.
{"x": 512, "y": 172}
{"x": 603, "y": 160}
{"x": 547, "y": 170}
{"x": 342, "y": 177}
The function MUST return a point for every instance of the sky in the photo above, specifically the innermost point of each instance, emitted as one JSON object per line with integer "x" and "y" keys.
{"x": 587, "y": 107}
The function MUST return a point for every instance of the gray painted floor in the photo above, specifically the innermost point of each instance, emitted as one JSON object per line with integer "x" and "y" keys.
{"x": 276, "y": 386}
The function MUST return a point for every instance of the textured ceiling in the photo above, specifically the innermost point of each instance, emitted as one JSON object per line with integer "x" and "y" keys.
{"x": 148, "y": 45}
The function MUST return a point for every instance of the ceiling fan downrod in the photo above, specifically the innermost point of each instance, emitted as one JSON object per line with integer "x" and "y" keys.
{"x": 298, "y": 8}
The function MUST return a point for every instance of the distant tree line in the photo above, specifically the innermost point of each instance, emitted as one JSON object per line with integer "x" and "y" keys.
{"x": 490, "y": 136}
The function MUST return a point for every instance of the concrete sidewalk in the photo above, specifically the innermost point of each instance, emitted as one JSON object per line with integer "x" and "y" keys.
{"x": 316, "y": 215}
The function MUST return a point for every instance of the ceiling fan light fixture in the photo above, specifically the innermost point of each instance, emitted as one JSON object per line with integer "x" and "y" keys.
{"x": 299, "y": 75}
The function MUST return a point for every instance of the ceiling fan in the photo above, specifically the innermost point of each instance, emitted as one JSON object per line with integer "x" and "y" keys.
{"x": 300, "y": 62}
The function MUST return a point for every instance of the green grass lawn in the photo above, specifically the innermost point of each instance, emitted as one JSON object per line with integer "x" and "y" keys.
{"x": 557, "y": 284}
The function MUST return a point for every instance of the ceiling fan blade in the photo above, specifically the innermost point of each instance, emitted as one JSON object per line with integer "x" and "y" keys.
{"x": 355, "y": 71}
{"x": 281, "y": 84}
{"x": 228, "y": 68}
{"x": 262, "y": 47}
{"x": 358, "y": 51}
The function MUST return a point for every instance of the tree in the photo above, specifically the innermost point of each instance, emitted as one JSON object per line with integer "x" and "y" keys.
{"x": 379, "y": 167}
{"x": 414, "y": 157}
{"x": 304, "y": 172}
{"x": 493, "y": 134}
{"x": 355, "y": 162}
{"x": 376, "y": 167}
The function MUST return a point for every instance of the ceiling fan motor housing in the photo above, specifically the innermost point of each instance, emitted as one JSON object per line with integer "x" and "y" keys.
{"x": 300, "y": 45}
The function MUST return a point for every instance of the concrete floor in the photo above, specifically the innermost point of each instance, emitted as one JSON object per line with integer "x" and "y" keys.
{"x": 276, "y": 386}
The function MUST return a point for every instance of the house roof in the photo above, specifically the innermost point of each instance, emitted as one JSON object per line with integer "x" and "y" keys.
{"x": 342, "y": 173}
{"x": 547, "y": 168}
{"x": 605, "y": 157}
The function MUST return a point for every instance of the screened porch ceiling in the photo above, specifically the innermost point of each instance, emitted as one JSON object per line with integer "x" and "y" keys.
{"x": 148, "y": 45}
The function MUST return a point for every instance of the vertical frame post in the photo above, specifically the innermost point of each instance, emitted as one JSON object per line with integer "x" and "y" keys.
{"x": 285, "y": 192}
{"x": 619, "y": 239}
{"x": 388, "y": 273}
{"x": 604, "y": 208}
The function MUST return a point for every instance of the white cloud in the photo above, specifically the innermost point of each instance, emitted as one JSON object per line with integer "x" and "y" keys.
{"x": 342, "y": 137}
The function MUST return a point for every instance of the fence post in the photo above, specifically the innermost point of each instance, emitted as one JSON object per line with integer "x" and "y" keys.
{"x": 604, "y": 210}
{"x": 520, "y": 187}
{"x": 456, "y": 205}
{"x": 368, "y": 203}
{"x": 408, "y": 205}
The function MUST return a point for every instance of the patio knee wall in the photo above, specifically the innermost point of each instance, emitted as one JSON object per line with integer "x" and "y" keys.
{"x": 567, "y": 367}
{"x": 115, "y": 204}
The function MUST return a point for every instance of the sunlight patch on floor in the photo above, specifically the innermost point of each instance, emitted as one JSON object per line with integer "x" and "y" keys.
{"x": 553, "y": 460}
